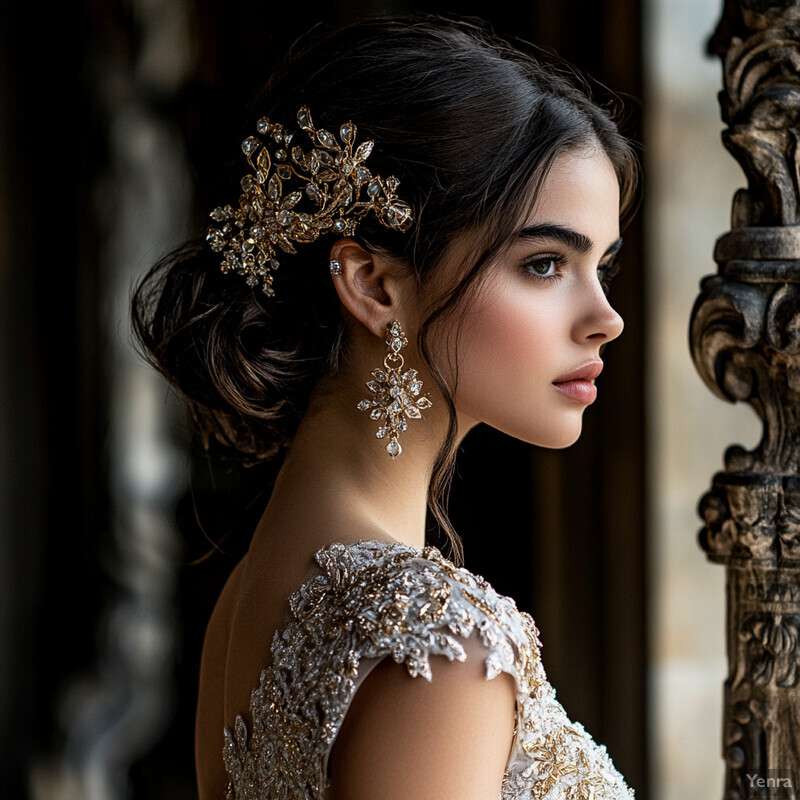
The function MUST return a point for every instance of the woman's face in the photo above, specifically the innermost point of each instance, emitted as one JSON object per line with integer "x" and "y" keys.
{"x": 531, "y": 339}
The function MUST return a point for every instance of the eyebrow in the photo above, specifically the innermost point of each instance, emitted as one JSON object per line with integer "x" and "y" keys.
{"x": 577, "y": 241}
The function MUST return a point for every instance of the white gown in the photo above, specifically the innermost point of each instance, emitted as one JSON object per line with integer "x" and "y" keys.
{"x": 374, "y": 599}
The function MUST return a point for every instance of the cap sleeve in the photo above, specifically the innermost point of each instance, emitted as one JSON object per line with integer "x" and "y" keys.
{"x": 412, "y": 605}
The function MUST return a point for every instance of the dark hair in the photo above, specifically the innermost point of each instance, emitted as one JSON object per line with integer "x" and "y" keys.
{"x": 468, "y": 123}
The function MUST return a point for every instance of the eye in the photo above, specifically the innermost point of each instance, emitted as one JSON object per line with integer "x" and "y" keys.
{"x": 607, "y": 272}
{"x": 544, "y": 267}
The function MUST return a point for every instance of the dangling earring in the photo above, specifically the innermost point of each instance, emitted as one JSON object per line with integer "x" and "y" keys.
{"x": 396, "y": 395}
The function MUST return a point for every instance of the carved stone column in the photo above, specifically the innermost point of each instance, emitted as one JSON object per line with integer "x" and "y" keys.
{"x": 745, "y": 339}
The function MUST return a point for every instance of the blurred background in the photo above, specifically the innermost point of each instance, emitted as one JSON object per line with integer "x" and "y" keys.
{"x": 116, "y": 534}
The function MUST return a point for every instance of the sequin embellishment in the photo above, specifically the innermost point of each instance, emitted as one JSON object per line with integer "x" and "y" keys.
{"x": 375, "y": 599}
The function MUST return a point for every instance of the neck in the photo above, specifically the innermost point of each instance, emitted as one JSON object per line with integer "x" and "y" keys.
{"x": 338, "y": 483}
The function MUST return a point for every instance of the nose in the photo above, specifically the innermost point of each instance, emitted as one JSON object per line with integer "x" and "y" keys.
{"x": 600, "y": 321}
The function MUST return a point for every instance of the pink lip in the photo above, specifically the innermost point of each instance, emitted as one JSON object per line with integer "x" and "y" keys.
{"x": 578, "y": 385}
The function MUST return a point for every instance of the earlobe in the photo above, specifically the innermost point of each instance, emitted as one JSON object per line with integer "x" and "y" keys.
{"x": 365, "y": 284}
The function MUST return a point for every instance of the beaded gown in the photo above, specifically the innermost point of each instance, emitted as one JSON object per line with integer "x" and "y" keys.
{"x": 376, "y": 599}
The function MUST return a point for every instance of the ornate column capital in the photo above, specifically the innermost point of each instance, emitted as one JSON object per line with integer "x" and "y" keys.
{"x": 745, "y": 329}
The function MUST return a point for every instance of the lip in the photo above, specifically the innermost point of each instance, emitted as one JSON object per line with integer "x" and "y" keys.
{"x": 587, "y": 372}
{"x": 578, "y": 385}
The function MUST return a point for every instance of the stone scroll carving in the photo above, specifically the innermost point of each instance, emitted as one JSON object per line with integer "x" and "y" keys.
{"x": 745, "y": 341}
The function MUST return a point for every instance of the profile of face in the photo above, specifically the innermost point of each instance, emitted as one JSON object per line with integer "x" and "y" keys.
{"x": 531, "y": 339}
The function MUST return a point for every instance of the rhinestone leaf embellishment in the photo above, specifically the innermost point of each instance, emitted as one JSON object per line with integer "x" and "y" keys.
{"x": 309, "y": 192}
{"x": 395, "y": 393}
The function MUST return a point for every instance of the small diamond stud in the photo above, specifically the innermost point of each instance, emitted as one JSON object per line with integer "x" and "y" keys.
{"x": 336, "y": 267}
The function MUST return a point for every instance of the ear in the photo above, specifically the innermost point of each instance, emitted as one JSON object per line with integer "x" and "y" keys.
{"x": 368, "y": 285}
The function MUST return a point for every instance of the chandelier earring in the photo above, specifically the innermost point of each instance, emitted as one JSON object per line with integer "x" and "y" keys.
{"x": 396, "y": 394}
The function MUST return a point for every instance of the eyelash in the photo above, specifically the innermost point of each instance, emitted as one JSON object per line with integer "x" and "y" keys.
{"x": 559, "y": 261}
{"x": 606, "y": 272}
{"x": 609, "y": 271}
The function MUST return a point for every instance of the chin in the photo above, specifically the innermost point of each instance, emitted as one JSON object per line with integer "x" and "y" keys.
{"x": 554, "y": 429}
{"x": 565, "y": 434}
{"x": 564, "y": 443}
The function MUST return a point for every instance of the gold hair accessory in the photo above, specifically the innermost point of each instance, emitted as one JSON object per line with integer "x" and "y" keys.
{"x": 331, "y": 181}
{"x": 396, "y": 394}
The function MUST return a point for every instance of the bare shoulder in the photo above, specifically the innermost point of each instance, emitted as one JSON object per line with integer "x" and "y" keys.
{"x": 406, "y": 737}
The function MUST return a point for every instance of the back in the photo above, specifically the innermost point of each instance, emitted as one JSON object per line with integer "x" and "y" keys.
{"x": 281, "y": 738}
{"x": 253, "y": 604}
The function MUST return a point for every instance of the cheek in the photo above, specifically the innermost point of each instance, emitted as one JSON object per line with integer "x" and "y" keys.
{"x": 507, "y": 348}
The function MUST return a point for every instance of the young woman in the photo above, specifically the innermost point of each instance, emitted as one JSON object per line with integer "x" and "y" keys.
{"x": 426, "y": 224}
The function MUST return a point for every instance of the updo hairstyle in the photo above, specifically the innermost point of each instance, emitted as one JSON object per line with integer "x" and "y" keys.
{"x": 466, "y": 122}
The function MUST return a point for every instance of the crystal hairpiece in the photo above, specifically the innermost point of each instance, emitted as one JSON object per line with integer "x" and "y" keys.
{"x": 330, "y": 180}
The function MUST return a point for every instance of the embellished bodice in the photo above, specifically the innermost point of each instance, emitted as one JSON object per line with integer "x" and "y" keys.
{"x": 374, "y": 599}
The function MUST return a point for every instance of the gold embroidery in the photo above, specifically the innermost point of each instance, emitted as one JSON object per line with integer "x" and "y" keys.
{"x": 374, "y": 600}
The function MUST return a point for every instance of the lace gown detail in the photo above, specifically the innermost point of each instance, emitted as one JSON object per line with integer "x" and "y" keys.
{"x": 373, "y": 600}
